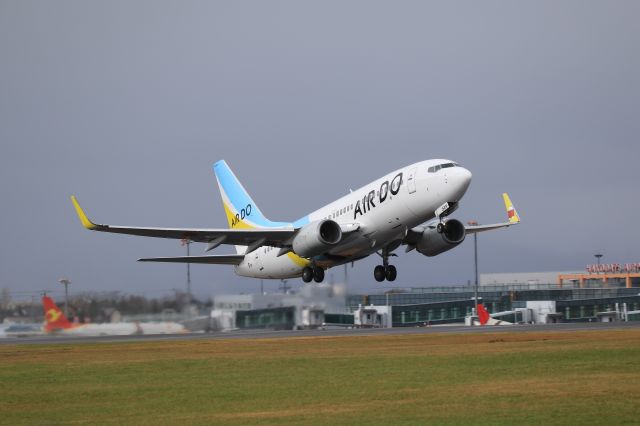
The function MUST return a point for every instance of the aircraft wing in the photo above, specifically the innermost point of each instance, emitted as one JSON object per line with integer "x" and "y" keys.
{"x": 223, "y": 259}
{"x": 413, "y": 235}
{"x": 474, "y": 229}
{"x": 512, "y": 214}
{"x": 276, "y": 237}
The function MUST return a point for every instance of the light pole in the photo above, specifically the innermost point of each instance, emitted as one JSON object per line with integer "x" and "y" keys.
{"x": 65, "y": 282}
{"x": 598, "y": 256}
{"x": 284, "y": 286}
{"x": 475, "y": 258}
{"x": 33, "y": 305}
{"x": 186, "y": 242}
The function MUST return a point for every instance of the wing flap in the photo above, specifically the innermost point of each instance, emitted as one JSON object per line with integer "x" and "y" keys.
{"x": 243, "y": 237}
{"x": 221, "y": 259}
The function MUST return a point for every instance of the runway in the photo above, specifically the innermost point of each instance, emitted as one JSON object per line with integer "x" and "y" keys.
{"x": 336, "y": 332}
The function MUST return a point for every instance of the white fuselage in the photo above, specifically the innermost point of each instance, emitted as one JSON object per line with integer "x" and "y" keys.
{"x": 384, "y": 210}
{"x": 122, "y": 329}
{"x": 106, "y": 329}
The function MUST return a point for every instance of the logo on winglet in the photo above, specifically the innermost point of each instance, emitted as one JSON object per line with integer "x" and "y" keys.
{"x": 512, "y": 214}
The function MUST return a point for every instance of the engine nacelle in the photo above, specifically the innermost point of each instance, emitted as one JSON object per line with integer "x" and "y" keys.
{"x": 316, "y": 237}
{"x": 433, "y": 242}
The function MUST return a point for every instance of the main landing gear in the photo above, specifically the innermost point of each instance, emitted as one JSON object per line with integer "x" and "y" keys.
{"x": 312, "y": 273}
{"x": 385, "y": 271}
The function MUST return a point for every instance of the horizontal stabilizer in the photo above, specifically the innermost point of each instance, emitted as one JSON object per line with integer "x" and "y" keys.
{"x": 222, "y": 259}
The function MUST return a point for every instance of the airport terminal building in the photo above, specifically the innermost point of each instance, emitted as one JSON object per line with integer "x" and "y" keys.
{"x": 431, "y": 306}
{"x": 518, "y": 297}
{"x": 540, "y": 297}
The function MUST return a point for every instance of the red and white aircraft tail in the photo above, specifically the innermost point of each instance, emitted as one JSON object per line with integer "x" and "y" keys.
{"x": 54, "y": 317}
{"x": 484, "y": 318}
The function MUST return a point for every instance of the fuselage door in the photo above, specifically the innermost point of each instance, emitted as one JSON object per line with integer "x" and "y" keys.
{"x": 411, "y": 181}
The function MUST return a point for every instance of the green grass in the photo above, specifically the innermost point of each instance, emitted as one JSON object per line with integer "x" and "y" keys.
{"x": 552, "y": 378}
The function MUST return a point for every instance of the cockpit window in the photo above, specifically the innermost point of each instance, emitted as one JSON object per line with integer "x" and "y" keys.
{"x": 434, "y": 169}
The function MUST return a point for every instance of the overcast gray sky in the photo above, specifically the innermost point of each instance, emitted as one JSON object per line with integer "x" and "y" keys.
{"x": 128, "y": 104}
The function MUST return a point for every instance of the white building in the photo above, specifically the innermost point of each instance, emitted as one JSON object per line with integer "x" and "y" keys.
{"x": 310, "y": 304}
{"x": 372, "y": 316}
{"x": 530, "y": 278}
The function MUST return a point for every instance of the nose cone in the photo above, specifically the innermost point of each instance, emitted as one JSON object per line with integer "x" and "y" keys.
{"x": 465, "y": 177}
{"x": 461, "y": 179}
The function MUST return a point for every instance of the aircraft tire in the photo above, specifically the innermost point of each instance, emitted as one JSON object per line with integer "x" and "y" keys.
{"x": 318, "y": 275}
{"x": 307, "y": 274}
{"x": 379, "y": 273}
{"x": 391, "y": 273}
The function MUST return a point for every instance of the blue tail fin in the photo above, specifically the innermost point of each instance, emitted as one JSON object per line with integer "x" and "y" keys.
{"x": 242, "y": 212}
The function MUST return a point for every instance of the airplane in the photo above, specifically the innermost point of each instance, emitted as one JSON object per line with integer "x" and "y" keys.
{"x": 484, "y": 318}
{"x": 57, "y": 323}
{"x": 409, "y": 206}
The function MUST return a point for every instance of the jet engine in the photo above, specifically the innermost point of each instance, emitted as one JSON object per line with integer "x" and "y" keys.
{"x": 444, "y": 237}
{"x": 316, "y": 237}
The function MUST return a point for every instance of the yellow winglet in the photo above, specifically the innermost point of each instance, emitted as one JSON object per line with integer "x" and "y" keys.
{"x": 82, "y": 216}
{"x": 511, "y": 211}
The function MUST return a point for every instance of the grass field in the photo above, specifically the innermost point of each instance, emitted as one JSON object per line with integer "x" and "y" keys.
{"x": 590, "y": 377}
